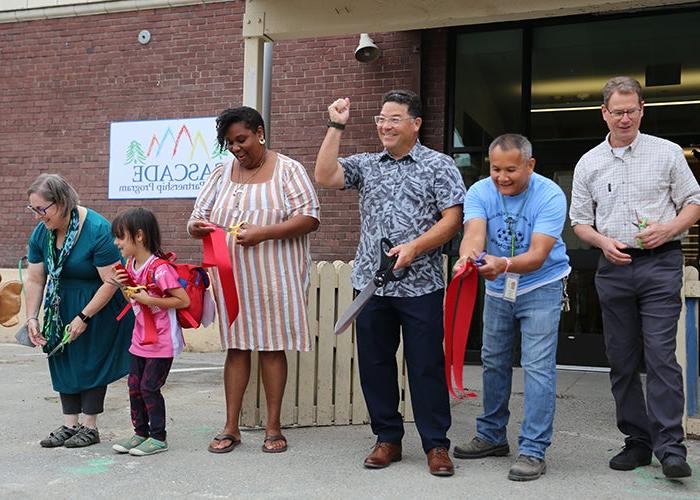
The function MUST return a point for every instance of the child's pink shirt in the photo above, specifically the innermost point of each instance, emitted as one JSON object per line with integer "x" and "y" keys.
{"x": 170, "y": 341}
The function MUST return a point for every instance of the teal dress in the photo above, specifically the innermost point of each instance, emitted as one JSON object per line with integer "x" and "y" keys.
{"x": 100, "y": 355}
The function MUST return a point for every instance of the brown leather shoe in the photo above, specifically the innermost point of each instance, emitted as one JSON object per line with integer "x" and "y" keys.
{"x": 382, "y": 455}
{"x": 439, "y": 462}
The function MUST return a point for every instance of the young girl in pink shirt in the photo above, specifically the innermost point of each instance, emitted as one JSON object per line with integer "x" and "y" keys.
{"x": 152, "y": 286}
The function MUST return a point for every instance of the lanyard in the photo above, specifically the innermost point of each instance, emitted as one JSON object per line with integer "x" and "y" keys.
{"x": 510, "y": 220}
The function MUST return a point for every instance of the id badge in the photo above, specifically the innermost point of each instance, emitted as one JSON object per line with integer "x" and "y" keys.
{"x": 510, "y": 288}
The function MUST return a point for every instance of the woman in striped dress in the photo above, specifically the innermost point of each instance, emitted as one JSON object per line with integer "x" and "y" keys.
{"x": 274, "y": 198}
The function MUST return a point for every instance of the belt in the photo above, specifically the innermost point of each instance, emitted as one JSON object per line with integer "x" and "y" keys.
{"x": 645, "y": 252}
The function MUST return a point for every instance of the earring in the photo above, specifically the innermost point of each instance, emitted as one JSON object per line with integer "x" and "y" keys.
{"x": 261, "y": 140}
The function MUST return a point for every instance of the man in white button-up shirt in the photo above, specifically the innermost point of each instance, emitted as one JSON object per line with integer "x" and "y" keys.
{"x": 634, "y": 197}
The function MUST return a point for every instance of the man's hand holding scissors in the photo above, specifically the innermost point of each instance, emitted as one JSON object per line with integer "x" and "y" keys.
{"x": 476, "y": 257}
{"x": 492, "y": 267}
{"x": 654, "y": 234}
{"x": 407, "y": 253}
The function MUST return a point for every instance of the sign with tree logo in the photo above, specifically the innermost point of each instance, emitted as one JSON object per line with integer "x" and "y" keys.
{"x": 162, "y": 158}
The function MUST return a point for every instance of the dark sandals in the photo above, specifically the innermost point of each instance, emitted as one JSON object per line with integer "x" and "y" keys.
{"x": 58, "y": 437}
{"x": 84, "y": 437}
{"x": 269, "y": 439}
{"x": 224, "y": 437}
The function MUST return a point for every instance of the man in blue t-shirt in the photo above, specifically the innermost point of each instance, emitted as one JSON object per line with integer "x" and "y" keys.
{"x": 512, "y": 230}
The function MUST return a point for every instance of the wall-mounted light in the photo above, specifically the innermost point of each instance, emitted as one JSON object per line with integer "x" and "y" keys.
{"x": 366, "y": 51}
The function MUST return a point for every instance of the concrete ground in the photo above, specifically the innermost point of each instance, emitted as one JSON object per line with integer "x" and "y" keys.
{"x": 323, "y": 462}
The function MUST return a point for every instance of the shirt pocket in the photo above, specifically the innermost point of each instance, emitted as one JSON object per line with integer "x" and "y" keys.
{"x": 650, "y": 191}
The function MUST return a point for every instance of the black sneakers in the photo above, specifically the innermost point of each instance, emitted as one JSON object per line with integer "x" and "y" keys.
{"x": 637, "y": 455}
{"x": 631, "y": 457}
{"x": 675, "y": 466}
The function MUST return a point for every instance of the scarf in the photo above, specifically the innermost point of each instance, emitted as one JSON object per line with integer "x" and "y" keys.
{"x": 53, "y": 323}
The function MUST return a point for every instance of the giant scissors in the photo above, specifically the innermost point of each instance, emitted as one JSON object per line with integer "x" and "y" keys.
{"x": 384, "y": 275}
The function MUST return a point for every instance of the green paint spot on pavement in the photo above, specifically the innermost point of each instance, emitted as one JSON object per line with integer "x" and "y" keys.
{"x": 93, "y": 466}
{"x": 204, "y": 429}
{"x": 651, "y": 482}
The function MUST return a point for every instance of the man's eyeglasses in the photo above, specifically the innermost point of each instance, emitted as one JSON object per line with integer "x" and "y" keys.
{"x": 394, "y": 120}
{"x": 40, "y": 210}
{"x": 619, "y": 113}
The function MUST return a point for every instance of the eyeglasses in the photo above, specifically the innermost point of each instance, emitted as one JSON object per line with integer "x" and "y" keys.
{"x": 40, "y": 210}
{"x": 394, "y": 120}
{"x": 619, "y": 113}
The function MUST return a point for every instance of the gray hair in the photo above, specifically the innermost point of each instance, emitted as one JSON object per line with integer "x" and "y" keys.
{"x": 513, "y": 141}
{"x": 54, "y": 188}
{"x": 623, "y": 85}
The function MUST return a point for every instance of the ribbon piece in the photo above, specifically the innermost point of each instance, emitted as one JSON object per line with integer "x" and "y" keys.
{"x": 460, "y": 299}
{"x": 217, "y": 254}
{"x": 150, "y": 334}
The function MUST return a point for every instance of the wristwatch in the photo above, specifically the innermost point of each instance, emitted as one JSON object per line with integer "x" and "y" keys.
{"x": 339, "y": 126}
{"x": 84, "y": 317}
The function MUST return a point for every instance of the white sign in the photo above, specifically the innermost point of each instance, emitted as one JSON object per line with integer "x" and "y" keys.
{"x": 162, "y": 158}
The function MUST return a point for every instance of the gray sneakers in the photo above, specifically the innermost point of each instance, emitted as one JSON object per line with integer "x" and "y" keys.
{"x": 479, "y": 448}
{"x": 527, "y": 468}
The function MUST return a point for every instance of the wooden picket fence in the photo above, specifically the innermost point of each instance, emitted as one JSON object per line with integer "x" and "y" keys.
{"x": 323, "y": 386}
{"x": 687, "y": 349}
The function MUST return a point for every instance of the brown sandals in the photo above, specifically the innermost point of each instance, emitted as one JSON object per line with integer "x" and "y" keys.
{"x": 269, "y": 439}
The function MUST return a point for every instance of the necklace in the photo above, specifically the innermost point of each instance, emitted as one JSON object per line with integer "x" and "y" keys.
{"x": 241, "y": 184}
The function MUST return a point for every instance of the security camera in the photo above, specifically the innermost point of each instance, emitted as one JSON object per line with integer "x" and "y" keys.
{"x": 366, "y": 51}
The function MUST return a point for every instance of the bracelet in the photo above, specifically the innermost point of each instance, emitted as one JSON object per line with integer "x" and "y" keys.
{"x": 84, "y": 317}
{"x": 339, "y": 126}
{"x": 508, "y": 264}
{"x": 32, "y": 318}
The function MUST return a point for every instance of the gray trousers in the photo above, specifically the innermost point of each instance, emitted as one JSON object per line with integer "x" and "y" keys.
{"x": 641, "y": 304}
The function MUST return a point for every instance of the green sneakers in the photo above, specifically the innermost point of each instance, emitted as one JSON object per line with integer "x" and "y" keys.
{"x": 149, "y": 447}
{"x": 124, "y": 445}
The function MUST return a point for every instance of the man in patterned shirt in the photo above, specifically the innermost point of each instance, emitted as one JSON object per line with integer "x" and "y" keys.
{"x": 633, "y": 197}
{"x": 413, "y": 196}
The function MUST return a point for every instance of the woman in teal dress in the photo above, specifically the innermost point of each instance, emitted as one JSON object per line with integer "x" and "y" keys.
{"x": 71, "y": 254}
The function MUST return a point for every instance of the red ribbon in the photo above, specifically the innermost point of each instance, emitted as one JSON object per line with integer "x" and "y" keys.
{"x": 217, "y": 254}
{"x": 150, "y": 334}
{"x": 459, "y": 309}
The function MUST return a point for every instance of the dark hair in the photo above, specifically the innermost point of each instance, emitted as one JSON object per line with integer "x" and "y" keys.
{"x": 54, "y": 188}
{"x": 410, "y": 99}
{"x": 131, "y": 220}
{"x": 243, "y": 114}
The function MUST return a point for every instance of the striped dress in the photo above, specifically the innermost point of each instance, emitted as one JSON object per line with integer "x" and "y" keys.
{"x": 272, "y": 277}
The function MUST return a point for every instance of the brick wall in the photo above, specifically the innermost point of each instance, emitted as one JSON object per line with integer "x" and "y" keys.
{"x": 63, "y": 81}
{"x": 434, "y": 86}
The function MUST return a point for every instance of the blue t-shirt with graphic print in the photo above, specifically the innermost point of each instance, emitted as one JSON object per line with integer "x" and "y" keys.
{"x": 541, "y": 208}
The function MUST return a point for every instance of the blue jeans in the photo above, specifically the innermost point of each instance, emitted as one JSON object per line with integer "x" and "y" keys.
{"x": 538, "y": 312}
